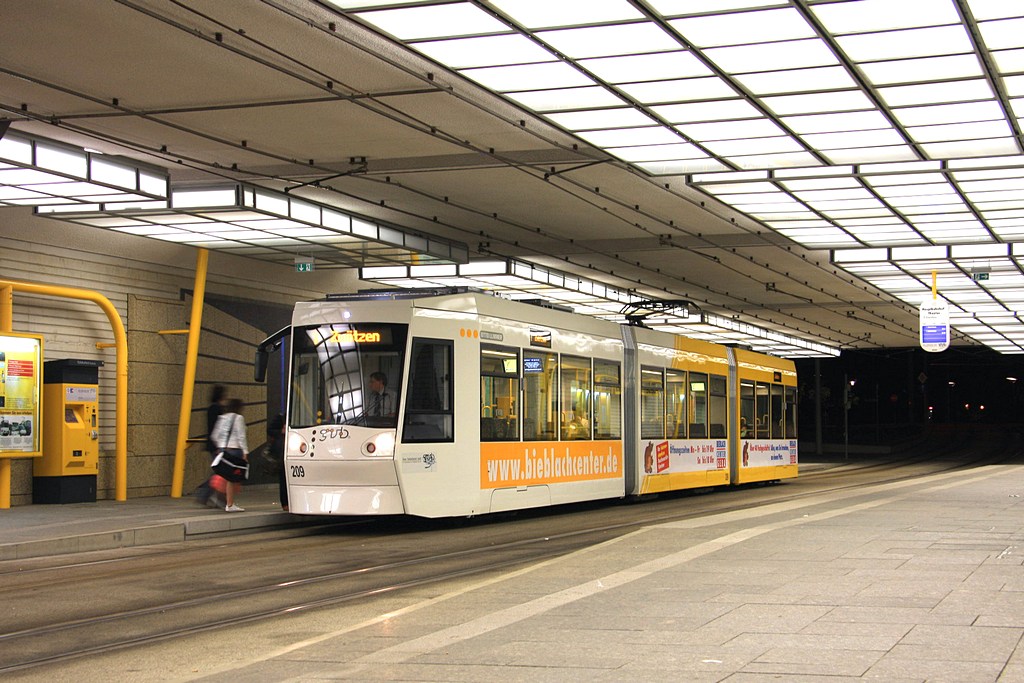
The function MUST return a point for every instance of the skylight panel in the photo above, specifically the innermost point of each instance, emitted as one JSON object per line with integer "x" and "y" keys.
{"x": 754, "y": 146}
{"x": 775, "y": 160}
{"x": 918, "y": 42}
{"x": 607, "y": 41}
{"x": 864, "y": 138}
{"x": 797, "y": 80}
{"x": 671, "y": 152}
{"x": 528, "y": 77}
{"x": 461, "y": 53}
{"x": 434, "y": 21}
{"x": 653, "y": 67}
{"x": 918, "y": 190}
{"x": 1007, "y": 184}
{"x": 883, "y": 15}
{"x": 950, "y": 113}
{"x": 630, "y": 137}
{"x": 794, "y": 54}
{"x": 967, "y": 148}
{"x": 869, "y": 155}
{"x": 720, "y": 110}
{"x": 1014, "y": 85}
{"x": 622, "y": 117}
{"x": 950, "y": 200}
{"x": 534, "y": 14}
{"x": 821, "y": 184}
{"x": 837, "y": 214}
{"x": 746, "y": 27}
{"x": 680, "y": 167}
{"x": 1009, "y": 60}
{"x": 833, "y": 194}
{"x": 1002, "y": 34}
{"x": 936, "y": 93}
{"x": 919, "y": 70}
{"x": 731, "y": 130}
{"x": 813, "y": 103}
{"x": 1001, "y": 196}
{"x": 739, "y": 188}
{"x": 763, "y": 198}
{"x": 563, "y": 99}
{"x": 682, "y": 90}
{"x": 674, "y": 7}
{"x": 959, "y": 131}
{"x": 835, "y": 123}
{"x": 1018, "y": 107}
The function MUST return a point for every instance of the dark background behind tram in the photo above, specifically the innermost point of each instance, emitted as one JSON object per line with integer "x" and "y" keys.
{"x": 895, "y": 393}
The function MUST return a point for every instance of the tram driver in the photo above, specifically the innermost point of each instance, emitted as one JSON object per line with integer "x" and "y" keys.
{"x": 381, "y": 402}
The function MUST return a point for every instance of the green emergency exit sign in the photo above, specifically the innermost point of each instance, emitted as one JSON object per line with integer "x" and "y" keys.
{"x": 304, "y": 267}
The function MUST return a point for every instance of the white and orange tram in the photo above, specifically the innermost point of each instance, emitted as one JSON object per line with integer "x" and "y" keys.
{"x": 492, "y": 405}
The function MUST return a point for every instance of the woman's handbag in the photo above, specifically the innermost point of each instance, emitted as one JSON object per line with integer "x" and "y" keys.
{"x": 230, "y": 463}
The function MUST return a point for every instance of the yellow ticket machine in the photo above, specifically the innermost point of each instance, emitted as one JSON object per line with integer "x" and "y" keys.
{"x": 66, "y": 472}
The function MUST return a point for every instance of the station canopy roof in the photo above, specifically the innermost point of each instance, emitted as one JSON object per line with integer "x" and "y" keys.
{"x": 865, "y": 127}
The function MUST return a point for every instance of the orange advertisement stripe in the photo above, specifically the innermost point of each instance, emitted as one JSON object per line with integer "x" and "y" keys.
{"x": 548, "y": 462}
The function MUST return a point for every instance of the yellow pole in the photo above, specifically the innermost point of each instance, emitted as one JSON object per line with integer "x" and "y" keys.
{"x": 6, "y": 325}
{"x": 935, "y": 288}
{"x": 121, "y": 372}
{"x": 188, "y": 385}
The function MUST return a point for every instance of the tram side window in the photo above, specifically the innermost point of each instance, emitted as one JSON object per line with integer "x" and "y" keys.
{"x": 652, "y": 403}
{"x": 778, "y": 414}
{"x": 576, "y": 394}
{"x": 698, "y": 405}
{"x": 761, "y": 411}
{"x": 747, "y": 410}
{"x": 675, "y": 396}
{"x": 499, "y": 393}
{"x": 790, "y": 413}
{"x": 607, "y": 400}
{"x": 718, "y": 407}
{"x": 428, "y": 408}
{"x": 540, "y": 395}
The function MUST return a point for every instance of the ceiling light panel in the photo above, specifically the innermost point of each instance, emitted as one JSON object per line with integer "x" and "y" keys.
{"x": 263, "y": 224}
{"x": 37, "y": 172}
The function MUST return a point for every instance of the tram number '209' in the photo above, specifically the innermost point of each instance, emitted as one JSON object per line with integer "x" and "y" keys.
{"x": 297, "y": 471}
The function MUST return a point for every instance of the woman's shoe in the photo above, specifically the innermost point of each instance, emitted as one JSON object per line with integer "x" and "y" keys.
{"x": 234, "y": 508}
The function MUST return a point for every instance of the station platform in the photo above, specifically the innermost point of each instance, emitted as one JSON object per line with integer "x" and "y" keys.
{"x": 908, "y": 581}
{"x": 41, "y": 530}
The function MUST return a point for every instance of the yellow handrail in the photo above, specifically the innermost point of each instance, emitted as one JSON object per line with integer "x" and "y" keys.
{"x": 121, "y": 375}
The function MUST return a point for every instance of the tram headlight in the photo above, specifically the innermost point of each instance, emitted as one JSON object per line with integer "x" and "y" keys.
{"x": 297, "y": 444}
{"x": 381, "y": 445}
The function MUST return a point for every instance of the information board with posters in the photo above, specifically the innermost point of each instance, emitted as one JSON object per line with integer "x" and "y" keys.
{"x": 21, "y": 379}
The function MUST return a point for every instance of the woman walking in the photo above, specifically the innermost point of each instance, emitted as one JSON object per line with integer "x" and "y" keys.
{"x": 230, "y": 439}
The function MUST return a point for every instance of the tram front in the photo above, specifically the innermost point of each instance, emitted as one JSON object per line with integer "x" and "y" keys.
{"x": 345, "y": 384}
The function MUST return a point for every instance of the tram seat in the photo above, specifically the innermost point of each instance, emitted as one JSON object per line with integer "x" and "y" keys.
{"x": 697, "y": 430}
{"x": 717, "y": 430}
{"x": 486, "y": 428}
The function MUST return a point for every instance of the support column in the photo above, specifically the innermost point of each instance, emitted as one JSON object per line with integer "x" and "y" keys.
{"x": 188, "y": 384}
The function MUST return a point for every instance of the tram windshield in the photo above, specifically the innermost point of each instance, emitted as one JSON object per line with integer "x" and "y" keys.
{"x": 347, "y": 374}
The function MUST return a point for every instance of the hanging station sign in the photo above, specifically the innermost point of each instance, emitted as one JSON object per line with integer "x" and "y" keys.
{"x": 934, "y": 324}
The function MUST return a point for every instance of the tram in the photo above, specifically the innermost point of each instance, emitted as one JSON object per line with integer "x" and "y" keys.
{"x": 460, "y": 403}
